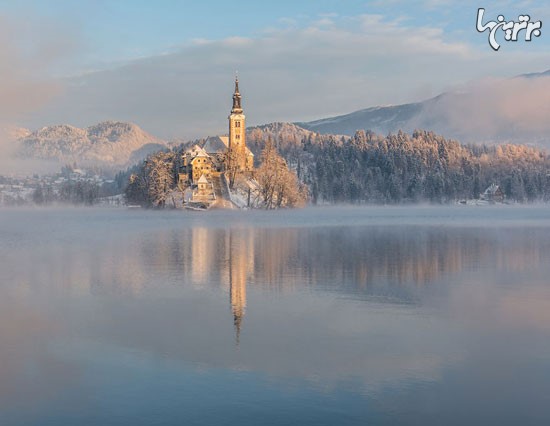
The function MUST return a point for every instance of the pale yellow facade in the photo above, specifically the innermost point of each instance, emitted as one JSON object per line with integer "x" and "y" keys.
{"x": 238, "y": 152}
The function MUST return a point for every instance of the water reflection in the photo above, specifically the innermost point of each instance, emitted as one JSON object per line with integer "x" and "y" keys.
{"x": 390, "y": 314}
{"x": 376, "y": 263}
{"x": 241, "y": 263}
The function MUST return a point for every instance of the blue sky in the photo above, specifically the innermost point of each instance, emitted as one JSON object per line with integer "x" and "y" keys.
{"x": 143, "y": 61}
{"x": 115, "y": 31}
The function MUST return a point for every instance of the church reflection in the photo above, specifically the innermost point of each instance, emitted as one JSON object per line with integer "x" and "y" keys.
{"x": 387, "y": 265}
{"x": 383, "y": 264}
{"x": 241, "y": 264}
{"x": 226, "y": 256}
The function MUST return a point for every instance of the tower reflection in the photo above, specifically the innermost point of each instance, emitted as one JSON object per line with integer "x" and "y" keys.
{"x": 241, "y": 266}
{"x": 382, "y": 264}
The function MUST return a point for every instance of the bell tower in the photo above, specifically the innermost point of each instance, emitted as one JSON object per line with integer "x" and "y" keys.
{"x": 237, "y": 131}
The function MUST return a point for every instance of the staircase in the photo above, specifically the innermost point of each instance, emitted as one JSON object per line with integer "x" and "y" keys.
{"x": 223, "y": 200}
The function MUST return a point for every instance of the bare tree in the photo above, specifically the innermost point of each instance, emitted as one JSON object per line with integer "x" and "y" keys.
{"x": 159, "y": 170}
{"x": 278, "y": 186}
{"x": 155, "y": 180}
{"x": 231, "y": 167}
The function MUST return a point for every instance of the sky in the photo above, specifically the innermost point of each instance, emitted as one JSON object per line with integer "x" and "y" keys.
{"x": 169, "y": 66}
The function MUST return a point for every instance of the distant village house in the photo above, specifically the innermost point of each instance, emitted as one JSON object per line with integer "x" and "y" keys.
{"x": 493, "y": 194}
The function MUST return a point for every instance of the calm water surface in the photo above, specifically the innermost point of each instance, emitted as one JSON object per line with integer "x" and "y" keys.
{"x": 336, "y": 316}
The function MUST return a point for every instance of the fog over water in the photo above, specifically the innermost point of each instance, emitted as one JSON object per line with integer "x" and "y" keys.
{"x": 382, "y": 315}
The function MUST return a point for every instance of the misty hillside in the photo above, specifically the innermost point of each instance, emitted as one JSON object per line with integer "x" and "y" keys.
{"x": 109, "y": 143}
{"x": 536, "y": 74}
{"x": 283, "y": 135}
{"x": 378, "y": 119}
{"x": 13, "y": 133}
{"x": 512, "y": 110}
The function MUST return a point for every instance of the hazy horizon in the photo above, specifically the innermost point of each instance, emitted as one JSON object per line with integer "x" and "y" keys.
{"x": 345, "y": 316}
{"x": 297, "y": 62}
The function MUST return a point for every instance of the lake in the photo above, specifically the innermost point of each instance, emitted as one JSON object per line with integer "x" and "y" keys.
{"x": 321, "y": 316}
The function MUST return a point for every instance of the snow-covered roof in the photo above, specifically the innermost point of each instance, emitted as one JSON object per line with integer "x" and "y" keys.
{"x": 198, "y": 157}
{"x": 492, "y": 189}
{"x": 216, "y": 145}
{"x": 219, "y": 145}
{"x": 196, "y": 151}
{"x": 201, "y": 153}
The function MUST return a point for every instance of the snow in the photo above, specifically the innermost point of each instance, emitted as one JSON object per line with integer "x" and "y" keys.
{"x": 106, "y": 143}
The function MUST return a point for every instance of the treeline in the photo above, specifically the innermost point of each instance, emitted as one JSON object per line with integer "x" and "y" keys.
{"x": 70, "y": 192}
{"x": 401, "y": 168}
{"x": 79, "y": 191}
{"x": 422, "y": 167}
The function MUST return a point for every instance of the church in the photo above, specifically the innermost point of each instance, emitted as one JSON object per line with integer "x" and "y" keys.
{"x": 203, "y": 166}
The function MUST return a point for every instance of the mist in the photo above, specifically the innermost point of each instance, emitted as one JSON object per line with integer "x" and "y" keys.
{"x": 493, "y": 110}
{"x": 328, "y": 68}
{"x": 11, "y": 163}
{"x": 31, "y": 49}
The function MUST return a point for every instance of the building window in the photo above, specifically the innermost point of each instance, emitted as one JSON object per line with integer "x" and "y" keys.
{"x": 237, "y": 136}
{"x": 237, "y": 124}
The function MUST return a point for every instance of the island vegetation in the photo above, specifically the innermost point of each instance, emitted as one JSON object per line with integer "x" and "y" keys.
{"x": 271, "y": 185}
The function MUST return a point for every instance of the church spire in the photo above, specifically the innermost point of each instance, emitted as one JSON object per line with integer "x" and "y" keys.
{"x": 237, "y": 109}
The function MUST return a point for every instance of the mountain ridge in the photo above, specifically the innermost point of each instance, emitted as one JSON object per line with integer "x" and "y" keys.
{"x": 108, "y": 143}
{"x": 510, "y": 110}
{"x": 483, "y": 113}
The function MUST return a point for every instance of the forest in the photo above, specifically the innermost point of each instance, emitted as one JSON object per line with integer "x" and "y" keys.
{"x": 408, "y": 168}
{"x": 370, "y": 168}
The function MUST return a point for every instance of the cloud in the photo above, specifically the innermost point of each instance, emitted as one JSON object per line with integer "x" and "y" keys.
{"x": 292, "y": 73}
{"x": 31, "y": 50}
{"x": 493, "y": 109}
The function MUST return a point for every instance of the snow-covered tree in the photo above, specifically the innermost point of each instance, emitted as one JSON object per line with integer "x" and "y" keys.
{"x": 278, "y": 186}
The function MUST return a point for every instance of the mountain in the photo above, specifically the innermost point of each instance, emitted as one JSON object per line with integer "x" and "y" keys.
{"x": 109, "y": 143}
{"x": 536, "y": 74}
{"x": 508, "y": 110}
{"x": 282, "y": 134}
{"x": 378, "y": 119}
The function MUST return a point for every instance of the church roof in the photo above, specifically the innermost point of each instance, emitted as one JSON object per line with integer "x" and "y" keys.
{"x": 195, "y": 151}
{"x": 215, "y": 145}
{"x": 219, "y": 145}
